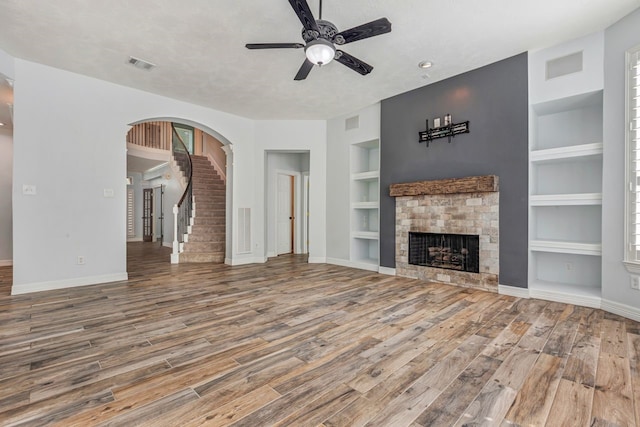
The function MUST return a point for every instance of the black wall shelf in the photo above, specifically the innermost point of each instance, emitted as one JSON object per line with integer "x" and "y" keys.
{"x": 448, "y": 131}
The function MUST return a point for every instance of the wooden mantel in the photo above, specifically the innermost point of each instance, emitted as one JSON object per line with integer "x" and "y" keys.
{"x": 471, "y": 184}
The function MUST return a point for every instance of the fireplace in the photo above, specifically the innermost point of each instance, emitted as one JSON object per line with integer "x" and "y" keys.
{"x": 448, "y": 231}
{"x": 459, "y": 252}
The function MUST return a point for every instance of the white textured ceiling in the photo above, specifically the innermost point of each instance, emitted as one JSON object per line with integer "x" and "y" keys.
{"x": 198, "y": 45}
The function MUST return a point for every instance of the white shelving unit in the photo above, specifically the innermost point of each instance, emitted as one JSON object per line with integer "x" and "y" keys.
{"x": 565, "y": 171}
{"x": 365, "y": 204}
{"x": 565, "y": 201}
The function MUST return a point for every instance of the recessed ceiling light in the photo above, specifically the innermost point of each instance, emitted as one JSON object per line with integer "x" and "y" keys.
{"x": 140, "y": 63}
{"x": 1, "y": 124}
{"x": 425, "y": 64}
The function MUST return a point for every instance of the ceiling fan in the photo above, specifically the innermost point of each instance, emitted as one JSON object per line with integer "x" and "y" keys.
{"x": 320, "y": 38}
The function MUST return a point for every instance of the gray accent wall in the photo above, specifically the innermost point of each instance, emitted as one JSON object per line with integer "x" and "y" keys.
{"x": 494, "y": 99}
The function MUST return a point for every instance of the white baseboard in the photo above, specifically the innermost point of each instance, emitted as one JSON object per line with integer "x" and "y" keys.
{"x": 387, "y": 270}
{"x": 167, "y": 244}
{"x": 624, "y": 310}
{"x": 6, "y": 262}
{"x": 271, "y": 254}
{"x": 339, "y": 261}
{"x": 566, "y": 298}
{"x": 69, "y": 283}
{"x": 352, "y": 264}
{"x": 134, "y": 239}
{"x": 317, "y": 260}
{"x": 513, "y": 291}
{"x": 245, "y": 261}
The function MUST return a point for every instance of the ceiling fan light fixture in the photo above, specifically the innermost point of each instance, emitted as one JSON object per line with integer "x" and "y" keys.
{"x": 320, "y": 51}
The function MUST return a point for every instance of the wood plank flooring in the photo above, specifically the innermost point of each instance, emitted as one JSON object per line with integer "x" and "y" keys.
{"x": 297, "y": 344}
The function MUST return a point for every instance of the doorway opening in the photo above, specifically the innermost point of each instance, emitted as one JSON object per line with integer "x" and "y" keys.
{"x": 287, "y": 202}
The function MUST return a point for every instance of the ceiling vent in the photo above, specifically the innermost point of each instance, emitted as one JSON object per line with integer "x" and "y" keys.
{"x": 141, "y": 63}
{"x": 352, "y": 123}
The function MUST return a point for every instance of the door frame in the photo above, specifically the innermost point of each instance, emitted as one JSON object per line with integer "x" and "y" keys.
{"x": 297, "y": 209}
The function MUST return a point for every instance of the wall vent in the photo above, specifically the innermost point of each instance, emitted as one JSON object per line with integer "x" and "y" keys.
{"x": 564, "y": 65}
{"x": 244, "y": 230}
{"x": 352, "y": 123}
{"x": 141, "y": 63}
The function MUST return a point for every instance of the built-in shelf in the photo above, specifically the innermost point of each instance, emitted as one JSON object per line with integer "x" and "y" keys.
{"x": 594, "y": 249}
{"x": 366, "y": 176}
{"x": 573, "y": 151}
{"x": 365, "y": 205}
{"x": 582, "y": 199}
{"x": 566, "y": 129}
{"x": 372, "y": 235}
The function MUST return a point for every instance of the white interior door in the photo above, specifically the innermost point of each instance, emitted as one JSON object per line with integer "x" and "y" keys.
{"x": 284, "y": 232}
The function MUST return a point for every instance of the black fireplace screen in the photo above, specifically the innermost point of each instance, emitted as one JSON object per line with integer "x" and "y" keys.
{"x": 451, "y": 251}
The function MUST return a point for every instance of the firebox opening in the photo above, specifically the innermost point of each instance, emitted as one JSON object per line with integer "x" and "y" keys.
{"x": 459, "y": 252}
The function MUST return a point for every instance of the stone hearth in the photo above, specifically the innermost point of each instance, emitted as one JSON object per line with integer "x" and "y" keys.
{"x": 453, "y": 206}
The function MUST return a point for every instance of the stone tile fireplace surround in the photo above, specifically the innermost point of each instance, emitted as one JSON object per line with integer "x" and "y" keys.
{"x": 450, "y": 206}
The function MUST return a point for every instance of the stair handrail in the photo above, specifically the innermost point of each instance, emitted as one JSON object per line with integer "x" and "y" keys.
{"x": 182, "y": 211}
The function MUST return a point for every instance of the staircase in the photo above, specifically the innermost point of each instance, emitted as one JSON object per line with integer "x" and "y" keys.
{"x": 206, "y": 243}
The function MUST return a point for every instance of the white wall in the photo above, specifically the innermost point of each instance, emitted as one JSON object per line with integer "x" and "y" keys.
{"x": 300, "y": 135}
{"x": 615, "y": 280}
{"x": 69, "y": 134}
{"x": 339, "y": 141}
{"x": 289, "y": 162}
{"x": 6, "y": 171}
{"x": 7, "y": 64}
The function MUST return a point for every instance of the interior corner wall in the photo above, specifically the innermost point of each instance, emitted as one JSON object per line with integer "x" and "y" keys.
{"x": 339, "y": 140}
{"x": 618, "y": 38}
{"x": 6, "y": 172}
{"x": 494, "y": 99}
{"x": 69, "y": 141}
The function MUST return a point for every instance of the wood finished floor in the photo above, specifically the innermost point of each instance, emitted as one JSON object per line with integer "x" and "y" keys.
{"x": 289, "y": 343}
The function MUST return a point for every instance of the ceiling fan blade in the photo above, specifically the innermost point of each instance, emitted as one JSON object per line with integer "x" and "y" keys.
{"x": 301, "y": 8}
{"x": 304, "y": 71}
{"x": 354, "y": 63}
{"x": 370, "y": 29}
{"x": 274, "y": 45}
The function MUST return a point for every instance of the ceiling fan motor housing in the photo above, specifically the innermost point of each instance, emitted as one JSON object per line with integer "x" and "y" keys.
{"x": 328, "y": 31}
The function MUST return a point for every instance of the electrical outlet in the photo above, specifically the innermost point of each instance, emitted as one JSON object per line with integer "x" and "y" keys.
{"x": 635, "y": 283}
{"x": 80, "y": 260}
{"x": 569, "y": 266}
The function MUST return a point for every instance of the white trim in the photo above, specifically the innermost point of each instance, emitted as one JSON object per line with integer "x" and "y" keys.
{"x": 134, "y": 239}
{"x": 317, "y": 260}
{"x": 340, "y": 262}
{"x": 632, "y": 267}
{"x": 271, "y": 254}
{"x": 513, "y": 291}
{"x": 367, "y": 235}
{"x": 624, "y": 310}
{"x": 245, "y": 261}
{"x": 67, "y": 283}
{"x": 6, "y": 262}
{"x": 167, "y": 244}
{"x": 353, "y": 264}
{"x": 386, "y": 270}
{"x": 365, "y": 205}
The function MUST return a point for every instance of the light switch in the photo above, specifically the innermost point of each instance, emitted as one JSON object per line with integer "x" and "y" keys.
{"x": 108, "y": 192}
{"x": 28, "y": 189}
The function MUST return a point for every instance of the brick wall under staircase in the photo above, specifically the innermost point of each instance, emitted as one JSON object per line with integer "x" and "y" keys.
{"x": 207, "y": 239}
